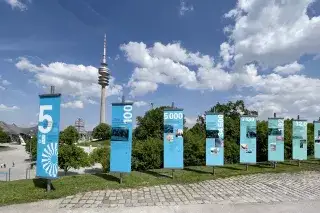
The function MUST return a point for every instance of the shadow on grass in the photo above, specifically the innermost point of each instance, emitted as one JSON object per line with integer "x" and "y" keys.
{"x": 156, "y": 174}
{"x": 234, "y": 168}
{"x": 197, "y": 171}
{"x": 311, "y": 162}
{"x": 292, "y": 163}
{"x": 93, "y": 171}
{"x": 266, "y": 166}
{"x": 61, "y": 173}
{"x": 107, "y": 177}
{"x": 41, "y": 183}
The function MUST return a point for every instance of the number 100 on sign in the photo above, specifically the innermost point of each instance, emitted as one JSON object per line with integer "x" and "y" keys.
{"x": 173, "y": 115}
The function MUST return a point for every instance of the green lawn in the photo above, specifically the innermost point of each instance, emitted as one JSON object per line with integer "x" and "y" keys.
{"x": 22, "y": 191}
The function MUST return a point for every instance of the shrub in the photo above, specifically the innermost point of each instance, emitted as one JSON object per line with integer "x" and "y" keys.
{"x": 231, "y": 152}
{"x": 102, "y": 156}
{"x": 194, "y": 149}
{"x": 147, "y": 154}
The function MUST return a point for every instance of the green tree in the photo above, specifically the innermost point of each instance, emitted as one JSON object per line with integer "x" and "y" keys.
{"x": 150, "y": 125}
{"x": 71, "y": 156}
{"x": 310, "y": 131}
{"x": 4, "y": 137}
{"x": 102, "y": 131}
{"x": 194, "y": 148}
{"x": 33, "y": 149}
{"x": 69, "y": 135}
{"x": 288, "y": 138}
{"x": 101, "y": 155}
{"x": 147, "y": 154}
{"x": 262, "y": 141}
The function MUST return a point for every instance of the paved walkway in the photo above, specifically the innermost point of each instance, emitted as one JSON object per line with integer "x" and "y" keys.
{"x": 259, "y": 188}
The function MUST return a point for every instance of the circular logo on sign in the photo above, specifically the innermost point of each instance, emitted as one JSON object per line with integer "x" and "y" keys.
{"x": 49, "y": 159}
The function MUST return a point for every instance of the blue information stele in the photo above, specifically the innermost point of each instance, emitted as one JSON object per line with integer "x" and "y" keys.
{"x": 121, "y": 138}
{"x": 317, "y": 139}
{"x": 173, "y": 138}
{"x": 299, "y": 140}
{"x": 214, "y": 140}
{"x": 48, "y": 136}
{"x": 248, "y": 140}
{"x": 276, "y": 139}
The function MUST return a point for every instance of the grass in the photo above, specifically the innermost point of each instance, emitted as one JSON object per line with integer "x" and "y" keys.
{"x": 23, "y": 191}
{"x": 95, "y": 143}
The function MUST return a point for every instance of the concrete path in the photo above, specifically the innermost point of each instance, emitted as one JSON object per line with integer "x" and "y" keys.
{"x": 297, "y": 192}
{"x": 283, "y": 207}
{"x": 259, "y": 188}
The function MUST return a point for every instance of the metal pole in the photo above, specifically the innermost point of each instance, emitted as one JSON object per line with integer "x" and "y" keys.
{"x": 6, "y": 176}
{"x": 26, "y": 173}
{"x": 299, "y": 163}
{"x": 52, "y": 89}
{"x": 247, "y": 167}
{"x": 274, "y": 165}
{"x": 48, "y": 180}
{"x": 120, "y": 178}
{"x": 48, "y": 185}
{"x": 172, "y": 173}
{"x": 213, "y": 171}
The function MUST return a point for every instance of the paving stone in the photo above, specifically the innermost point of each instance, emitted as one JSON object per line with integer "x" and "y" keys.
{"x": 262, "y": 188}
{"x": 90, "y": 202}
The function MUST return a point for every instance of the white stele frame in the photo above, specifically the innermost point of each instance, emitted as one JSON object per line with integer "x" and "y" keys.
{"x": 249, "y": 119}
{"x": 173, "y": 115}
{"x": 43, "y": 117}
{"x": 280, "y": 123}
{"x": 127, "y": 115}
{"x": 220, "y": 126}
{"x": 301, "y": 123}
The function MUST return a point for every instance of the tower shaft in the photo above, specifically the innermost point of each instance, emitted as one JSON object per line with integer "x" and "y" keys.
{"x": 103, "y": 80}
{"x": 103, "y": 105}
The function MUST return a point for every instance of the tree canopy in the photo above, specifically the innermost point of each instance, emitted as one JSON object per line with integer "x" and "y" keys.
{"x": 69, "y": 135}
{"x": 4, "y": 137}
{"x": 102, "y": 132}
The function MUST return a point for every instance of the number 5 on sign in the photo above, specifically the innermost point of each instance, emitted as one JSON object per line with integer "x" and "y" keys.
{"x": 45, "y": 117}
{"x": 171, "y": 115}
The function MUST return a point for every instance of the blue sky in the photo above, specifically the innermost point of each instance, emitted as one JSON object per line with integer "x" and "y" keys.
{"x": 194, "y": 53}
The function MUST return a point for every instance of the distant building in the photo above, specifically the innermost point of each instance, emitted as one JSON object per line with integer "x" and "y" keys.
{"x": 18, "y": 134}
{"x": 79, "y": 124}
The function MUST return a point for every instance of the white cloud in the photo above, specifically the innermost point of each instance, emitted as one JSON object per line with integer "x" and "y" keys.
{"x": 266, "y": 35}
{"x": 78, "y": 81}
{"x": 184, "y": 8}
{"x": 73, "y": 104}
{"x": 18, "y": 4}
{"x": 140, "y": 103}
{"x": 90, "y": 101}
{"x": 8, "y": 108}
{"x": 273, "y": 32}
{"x": 3, "y": 82}
{"x": 289, "y": 68}
{"x": 190, "y": 121}
{"x": 117, "y": 57}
